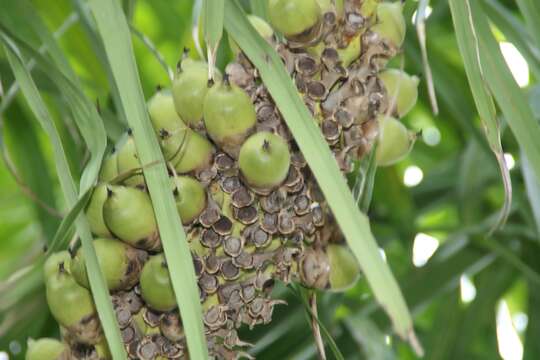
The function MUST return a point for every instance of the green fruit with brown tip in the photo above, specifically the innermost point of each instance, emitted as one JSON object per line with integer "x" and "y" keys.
{"x": 94, "y": 212}
{"x": 163, "y": 113}
{"x": 46, "y": 349}
{"x": 190, "y": 198}
{"x": 156, "y": 287}
{"x": 129, "y": 215}
{"x": 52, "y": 263}
{"x": 293, "y": 17}
{"x": 187, "y": 150}
{"x": 401, "y": 89}
{"x": 119, "y": 262}
{"x": 390, "y": 23}
{"x": 395, "y": 141}
{"x": 344, "y": 268}
{"x": 109, "y": 167}
{"x": 229, "y": 116}
{"x": 264, "y": 160}
{"x": 262, "y": 27}
{"x": 129, "y": 165}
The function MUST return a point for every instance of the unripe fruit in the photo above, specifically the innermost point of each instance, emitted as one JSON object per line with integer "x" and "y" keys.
{"x": 351, "y": 52}
{"x": 293, "y": 17}
{"x": 52, "y": 263}
{"x": 262, "y": 27}
{"x": 187, "y": 150}
{"x": 128, "y": 162}
{"x": 189, "y": 90}
{"x": 94, "y": 212}
{"x": 264, "y": 160}
{"x": 72, "y": 306}
{"x": 109, "y": 168}
{"x": 190, "y": 198}
{"x": 395, "y": 141}
{"x": 163, "y": 113}
{"x": 156, "y": 287}
{"x": 368, "y": 8}
{"x": 129, "y": 215}
{"x": 229, "y": 116}
{"x": 46, "y": 349}
{"x": 401, "y": 88}
{"x": 390, "y": 23}
{"x": 119, "y": 262}
{"x": 344, "y": 268}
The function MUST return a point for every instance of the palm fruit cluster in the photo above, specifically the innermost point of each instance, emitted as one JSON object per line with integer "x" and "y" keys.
{"x": 250, "y": 206}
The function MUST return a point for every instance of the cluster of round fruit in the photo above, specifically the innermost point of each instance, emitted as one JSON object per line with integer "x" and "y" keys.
{"x": 250, "y": 206}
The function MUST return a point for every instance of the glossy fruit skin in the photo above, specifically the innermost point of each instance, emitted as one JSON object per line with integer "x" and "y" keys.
{"x": 52, "y": 263}
{"x": 114, "y": 261}
{"x": 390, "y": 23}
{"x": 163, "y": 112}
{"x": 229, "y": 116}
{"x": 394, "y": 143}
{"x": 344, "y": 268}
{"x": 109, "y": 168}
{"x": 156, "y": 287}
{"x": 262, "y": 27}
{"x": 402, "y": 89}
{"x": 293, "y": 17}
{"x": 128, "y": 162}
{"x": 94, "y": 212}
{"x": 190, "y": 198}
{"x": 187, "y": 150}
{"x": 264, "y": 160}
{"x": 45, "y": 349}
{"x": 129, "y": 215}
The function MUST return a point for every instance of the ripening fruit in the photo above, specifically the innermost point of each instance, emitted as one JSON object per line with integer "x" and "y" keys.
{"x": 187, "y": 150}
{"x": 344, "y": 269}
{"x": 262, "y": 27}
{"x": 293, "y": 17}
{"x": 119, "y": 262}
{"x": 229, "y": 116}
{"x": 264, "y": 160}
{"x": 94, "y": 212}
{"x": 109, "y": 168}
{"x": 163, "y": 113}
{"x": 190, "y": 198}
{"x": 46, "y": 349}
{"x": 390, "y": 23}
{"x": 129, "y": 215}
{"x": 402, "y": 89}
{"x": 128, "y": 161}
{"x": 52, "y": 263}
{"x": 395, "y": 141}
{"x": 156, "y": 287}
{"x": 189, "y": 90}
{"x": 72, "y": 306}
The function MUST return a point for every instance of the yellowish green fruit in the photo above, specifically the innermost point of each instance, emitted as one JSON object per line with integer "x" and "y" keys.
{"x": 128, "y": 162}
{"x": 401, "y": 88}
{"x": 46, "y": 349}
{"x": 163, "y": 113}
{"x": 156, "y": 287}
{"x": 229, "y": 116}
{"x": 368, "y": 8}
{"x": 187, "y": 150}
{"x": 264, "y": 160}
{"x": 52, "y": 263}
{"x": 395, "y": 142}
{"x": 103, "y": 351}
{"x": 109, "y": 168}
{"x": 390, "y": 23}
{"x": 262, "y": 27}
{"x": 190, "y": 198}
{"x": 94, "y": 212}
{"x": 293, "y": 17}
{"x": 351, "y": 52}
{"x": 344, "y": 268}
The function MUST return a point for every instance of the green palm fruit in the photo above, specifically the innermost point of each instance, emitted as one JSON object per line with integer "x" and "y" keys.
{"x": 325, "y": 5}
{"x": 390, "y": 23}
{"x": 187, "y": 150}
{"x": 102, "y": 350}
{"x": 163, "y": 113}
{"x": 119, "y": 262}
{"x": 368, "y": 8}
{"x": 128, "y": 162}
{"x": 351, "y": 52}
{"x": 72, "y": 306}
{"x": 190, "y": 198}
{"x": 344, "y": 268}
{"x": 129, "y": 215}
{"x": 52, "y": 263}
{"x": 156, "y": 287}
{"x": 262, "y": 27}
{"x": 294, "y": 17}
{"x": 189, "y": 90}
{"x": 264, "y": 160}
{"x": 46, "y": 349}
{"x": 402, "y": 89}
{"x": 395, "y": 141}
{"x": 94, "y": 212}
{"x": 229, "y": 116}
{"x": 109, "y": 168}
